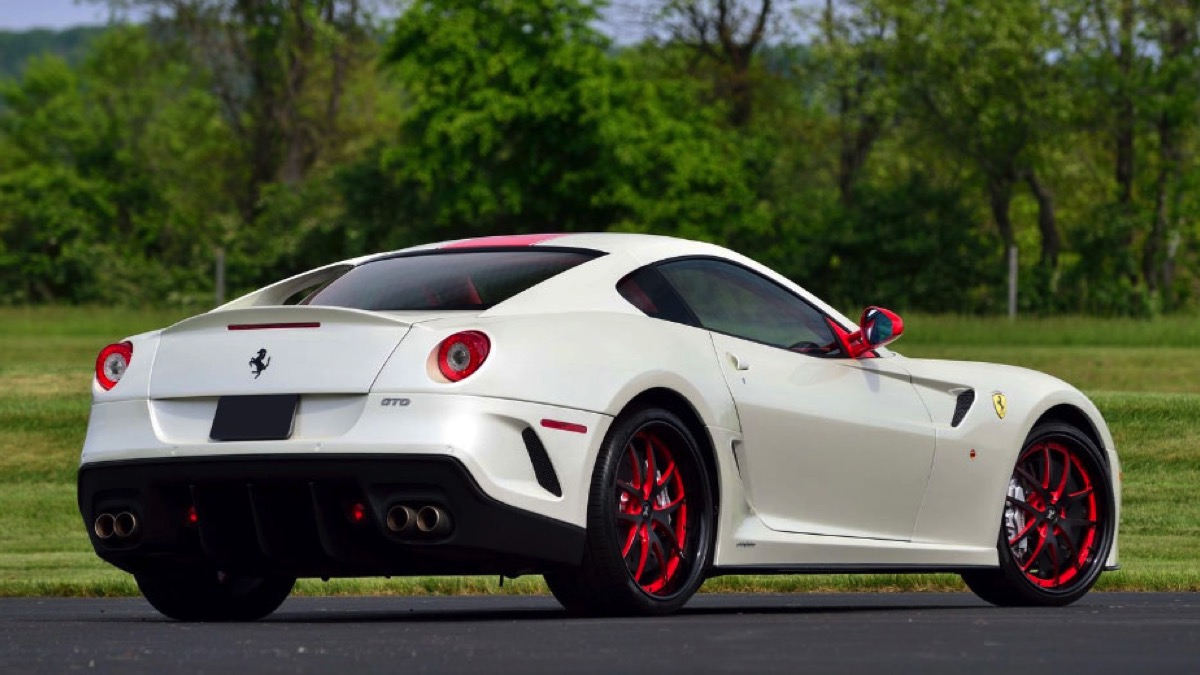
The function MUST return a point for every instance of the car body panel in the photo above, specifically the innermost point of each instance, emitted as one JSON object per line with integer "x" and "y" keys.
{"x": 270, "y": 351}
{"x": 830, "y": 446}
{"x": 965, "y": 491}
{"x": 864, "y": 469}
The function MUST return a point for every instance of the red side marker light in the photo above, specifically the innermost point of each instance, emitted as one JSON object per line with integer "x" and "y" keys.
{"x": 192, "y": 518}
{"x": 358, "y": 513}
{"x": 564, "y": 426}
{"x": 111, "y": 364}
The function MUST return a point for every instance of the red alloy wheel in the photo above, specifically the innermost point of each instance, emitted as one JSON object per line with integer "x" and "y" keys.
{"x": 1052, "y": 515}
{"x": 652, "y": 514}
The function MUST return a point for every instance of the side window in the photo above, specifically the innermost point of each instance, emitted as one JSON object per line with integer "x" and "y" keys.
{"x": 730, "y": 299}
{"x": 647, "y": 290}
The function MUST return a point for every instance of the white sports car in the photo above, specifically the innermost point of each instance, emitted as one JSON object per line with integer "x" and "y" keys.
{"x": 626, "y": 415}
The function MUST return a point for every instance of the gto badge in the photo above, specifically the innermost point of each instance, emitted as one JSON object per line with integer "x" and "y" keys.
{"x": 259, "y": 363}
{"x": 1000, "y": 403}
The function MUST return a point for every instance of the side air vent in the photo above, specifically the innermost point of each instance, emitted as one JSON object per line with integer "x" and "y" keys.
{"x": 542, "y": 467}
{"x": 965, "y": 400}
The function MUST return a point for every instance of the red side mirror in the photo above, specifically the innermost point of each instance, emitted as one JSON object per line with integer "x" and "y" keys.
{"x": 876, "y": 328}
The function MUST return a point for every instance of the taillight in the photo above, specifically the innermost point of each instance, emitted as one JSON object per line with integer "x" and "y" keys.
{"x": 462, "y": 353}
{"x": 112, "y": 362}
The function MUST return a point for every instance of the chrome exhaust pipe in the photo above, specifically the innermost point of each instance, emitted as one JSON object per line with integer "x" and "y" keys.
{"x": 433, "y": 520}
{"x": 104, "y": 525}
{"x": 401, "y": 519}
{"x": 125, "y": 524}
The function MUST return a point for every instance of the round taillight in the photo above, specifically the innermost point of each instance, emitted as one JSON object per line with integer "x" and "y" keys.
{"x": 462, "y": 353}
{"x": 112, "y": 362}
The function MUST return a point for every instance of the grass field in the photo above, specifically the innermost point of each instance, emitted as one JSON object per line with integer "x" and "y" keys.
{"x": 1144, "y": 376}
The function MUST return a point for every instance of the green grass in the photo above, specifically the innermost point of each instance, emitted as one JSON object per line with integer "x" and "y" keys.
{"x": 1142, "y": 376}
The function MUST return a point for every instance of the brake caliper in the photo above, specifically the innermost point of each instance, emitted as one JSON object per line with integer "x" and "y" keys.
{"x": 1014, "y": 518}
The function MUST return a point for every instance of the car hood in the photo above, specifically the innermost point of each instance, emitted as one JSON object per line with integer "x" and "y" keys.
{"x": 1008, "y": 395}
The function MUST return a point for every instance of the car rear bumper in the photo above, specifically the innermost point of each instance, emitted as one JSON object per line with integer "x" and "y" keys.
{"x": 504, "y": 444}
{"x": 295, "y": 515}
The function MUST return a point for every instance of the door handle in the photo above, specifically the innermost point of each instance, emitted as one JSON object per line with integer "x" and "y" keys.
{"x": 738, "y": 363}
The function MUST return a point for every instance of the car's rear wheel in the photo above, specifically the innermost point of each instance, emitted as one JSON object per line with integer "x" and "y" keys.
{"x": 1058, "y": 523}
{"x": 214, "y": 596}
{"x": 650, "y": 521}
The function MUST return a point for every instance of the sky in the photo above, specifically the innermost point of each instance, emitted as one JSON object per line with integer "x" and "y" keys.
{"x": 621, "y": 20}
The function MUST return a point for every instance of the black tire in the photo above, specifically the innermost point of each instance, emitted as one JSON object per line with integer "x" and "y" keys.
{"x": 1058, "y": 523}
{"x": 571, "y": 592}
{"x": 631, "y": 563}
{"x": 214, "y": 596}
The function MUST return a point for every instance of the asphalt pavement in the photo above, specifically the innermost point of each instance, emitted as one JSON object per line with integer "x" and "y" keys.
{"x": 801, "y": 633}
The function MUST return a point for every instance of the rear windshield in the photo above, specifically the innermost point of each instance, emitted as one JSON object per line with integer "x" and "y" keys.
{"x": 445, "y": 280}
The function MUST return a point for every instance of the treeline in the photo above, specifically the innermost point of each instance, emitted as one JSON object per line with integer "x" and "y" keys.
{"x": 17, "y": 46}
{"x": 884, "y": 151}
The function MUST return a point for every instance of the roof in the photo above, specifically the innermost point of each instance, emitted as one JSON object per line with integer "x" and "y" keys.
{"x": 645, "y": 247}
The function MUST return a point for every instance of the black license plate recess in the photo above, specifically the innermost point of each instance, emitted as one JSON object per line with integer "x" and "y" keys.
{"x": 259, "y": 417}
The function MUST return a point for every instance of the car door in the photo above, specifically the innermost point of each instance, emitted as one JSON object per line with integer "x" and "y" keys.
{"x": 831, "y": 445}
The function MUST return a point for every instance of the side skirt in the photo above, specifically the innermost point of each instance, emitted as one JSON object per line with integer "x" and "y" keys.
{"x": 844, "y": 569}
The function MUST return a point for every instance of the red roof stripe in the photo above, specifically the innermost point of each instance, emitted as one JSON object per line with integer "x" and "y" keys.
{"x": 505, "y": 240}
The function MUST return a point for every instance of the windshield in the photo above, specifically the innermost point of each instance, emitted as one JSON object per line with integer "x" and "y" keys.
{"x": 470, "y": 280}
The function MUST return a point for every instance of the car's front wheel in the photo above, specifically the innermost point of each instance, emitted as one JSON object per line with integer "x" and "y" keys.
{"x": 1058, "y": 523}
{"x": 650, "y": 521}
{"x": 214, "y": 596}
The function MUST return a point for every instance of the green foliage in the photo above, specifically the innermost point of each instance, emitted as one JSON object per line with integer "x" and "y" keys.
{"x": 519, "y": 120}
{"x": 904, "y": 247}
{"x": 913, "y": 137}
{"x": 49, "y": 214}
{"x": 16, "y": 48}
{"x": 675, "y": 168}
{"x": 1101, "y": 277}
{"x": 95, "y": 156}
{"x": 503, "y": 128}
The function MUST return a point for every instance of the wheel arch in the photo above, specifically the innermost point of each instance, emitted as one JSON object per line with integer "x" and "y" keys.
{"x": 1065, "y": 413}
{"x": 669, "y": 399}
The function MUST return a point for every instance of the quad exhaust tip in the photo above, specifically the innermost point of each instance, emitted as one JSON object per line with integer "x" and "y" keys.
{"x": 401, "y": 519}
{"x": 432, "y": 520}
{"x": 104, "y": 526}
{"x": 122, "y": 525}
{"x": 125, "y": 524}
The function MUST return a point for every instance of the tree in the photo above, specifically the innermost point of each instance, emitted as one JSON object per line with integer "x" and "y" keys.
{"x": 727, "y": 34}
{"x": 677, "y": 169}
{"x": 856, "y": 44}
{"x": 518, "y": 119}
{"x": 1176, "y": 25}
{"x": 104, "y": 182}
{"x": 281, "y": 70}
{"x": 981, "y": 79}
{"x": 501, "y": 133}
{"x": 1139, "y": 58}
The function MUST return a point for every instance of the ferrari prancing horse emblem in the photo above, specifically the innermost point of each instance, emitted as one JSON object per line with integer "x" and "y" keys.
{"x": 258, "y": 364}
{"x": 1000, "y": 402}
